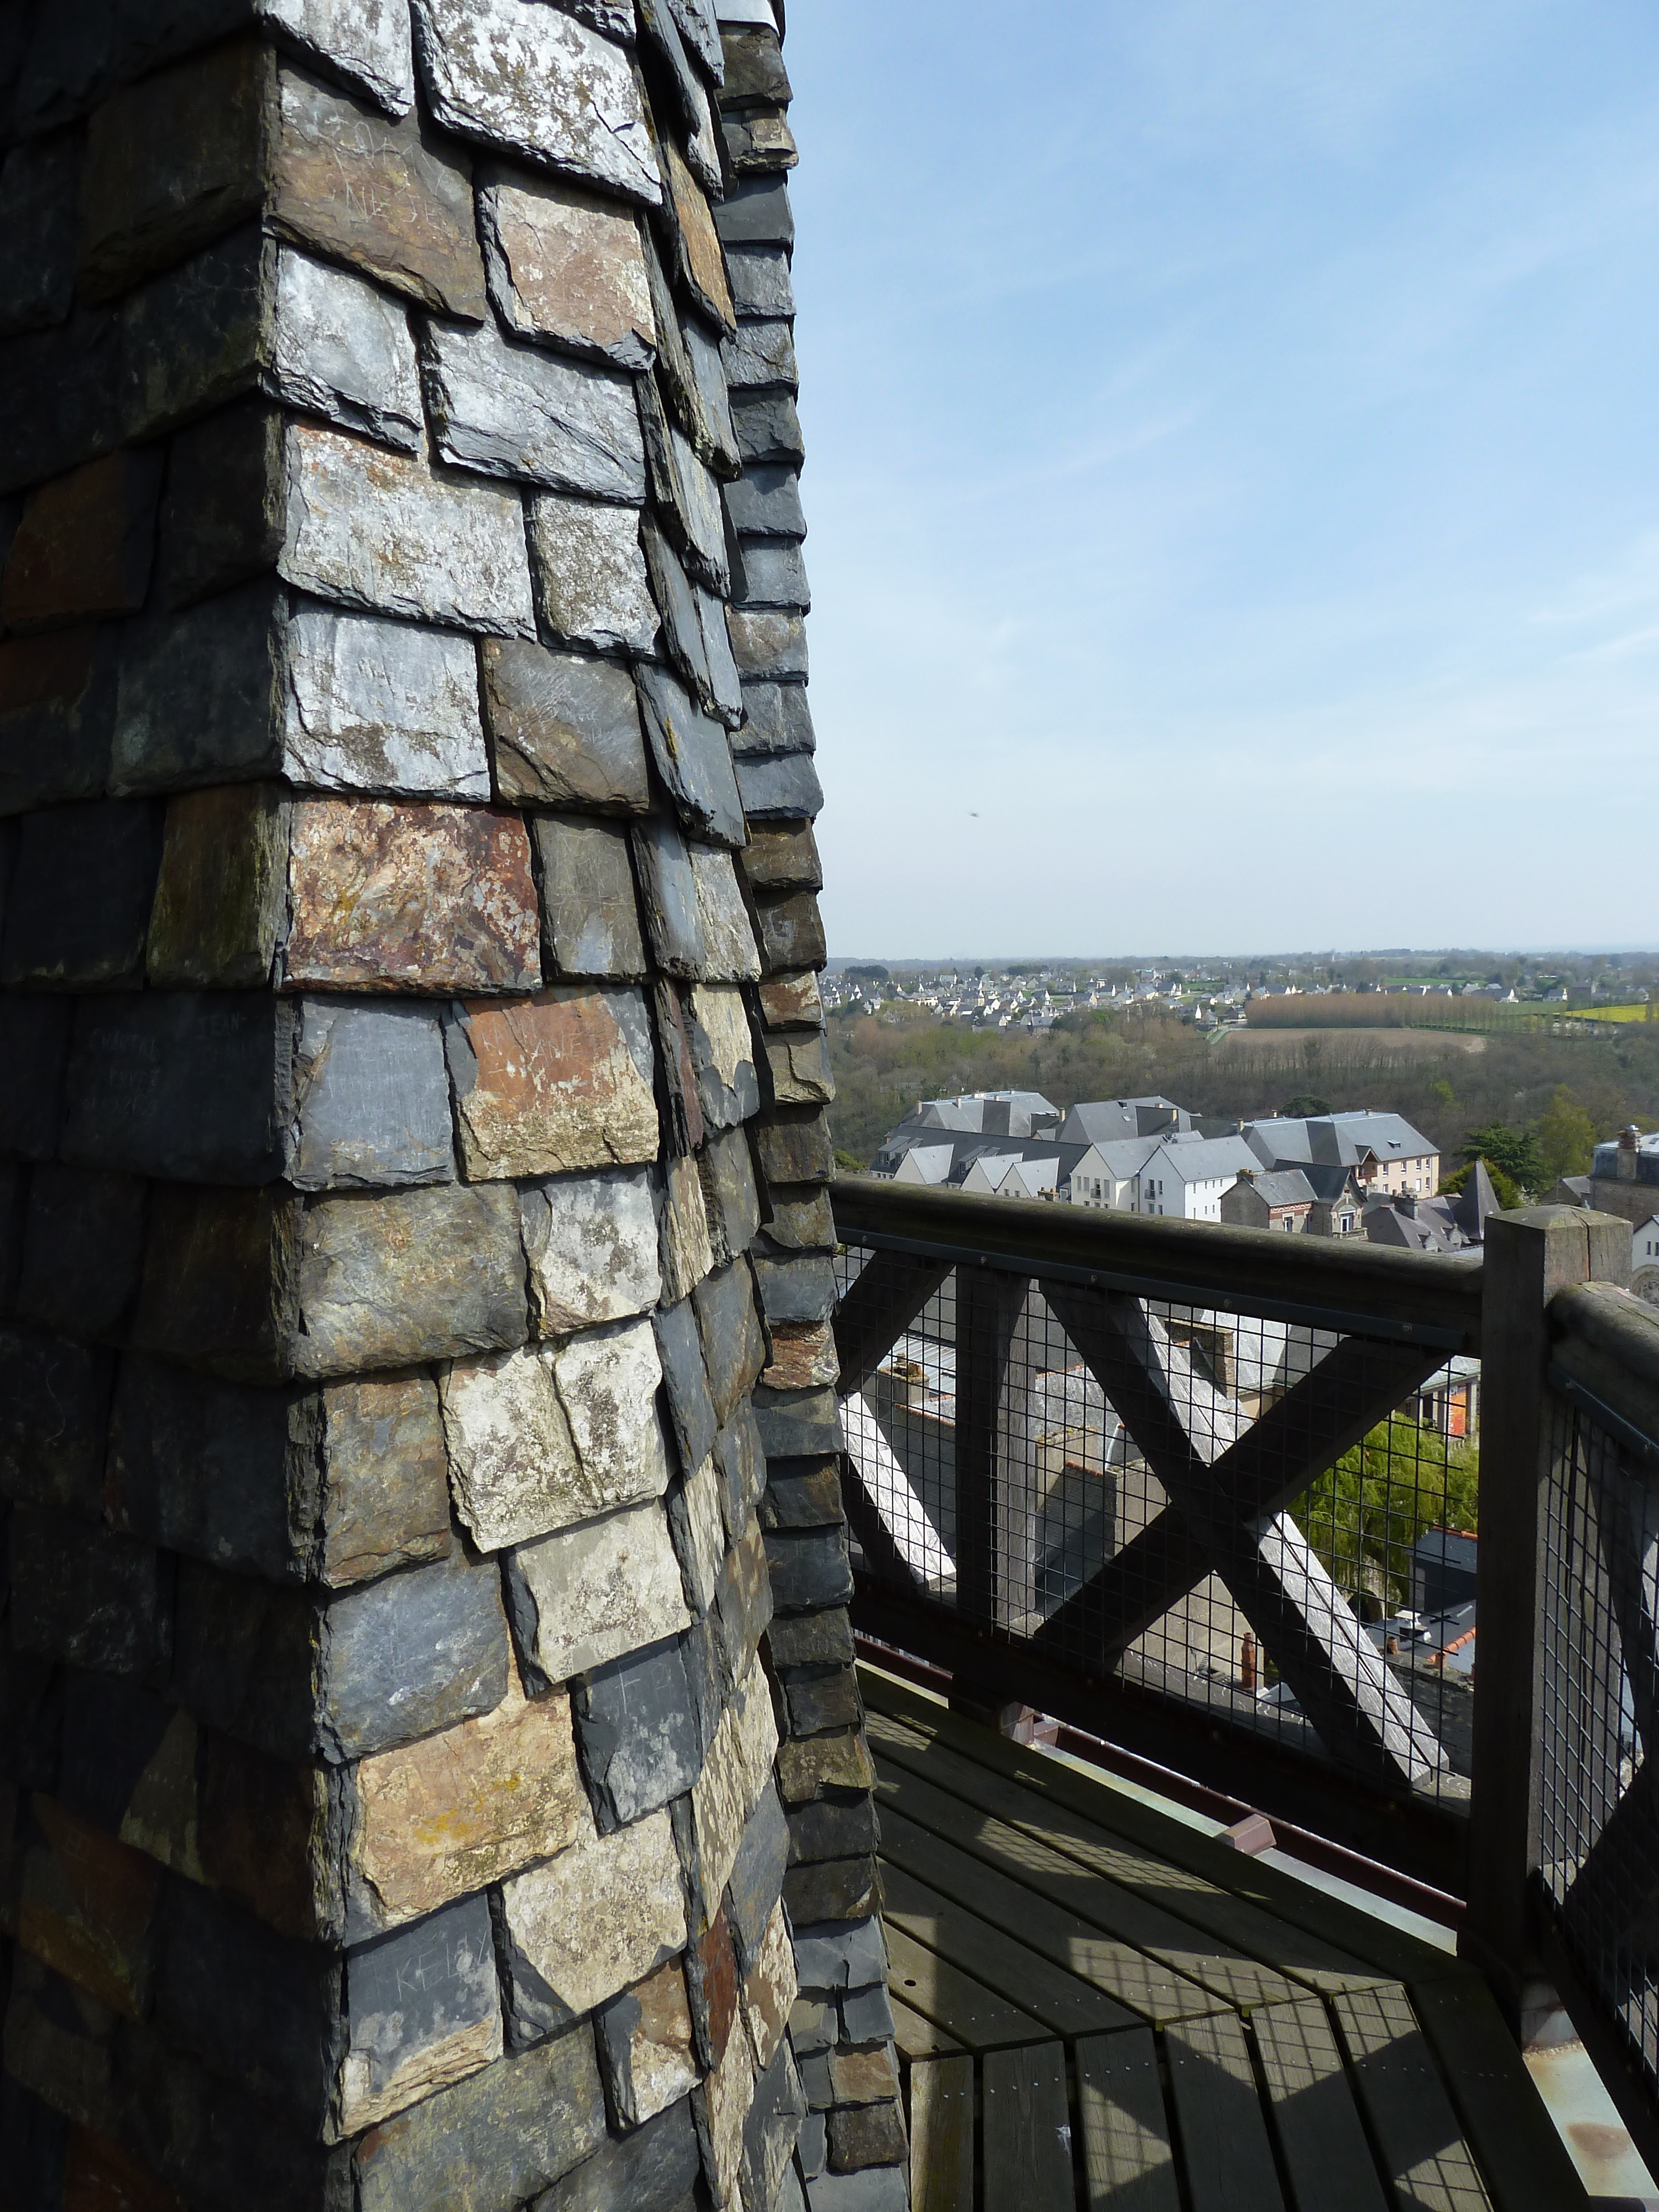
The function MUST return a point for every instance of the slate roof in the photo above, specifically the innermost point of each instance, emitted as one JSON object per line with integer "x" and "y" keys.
{"x": 1284, "y": 1186}
{"x": 1103, "y": 1120}
{"x": 1335, "y": 1140}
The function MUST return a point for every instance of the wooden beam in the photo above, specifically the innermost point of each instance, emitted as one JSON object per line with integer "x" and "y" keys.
{"x": 1361, "y": 1714}
{"x": 1357, "y": 1384}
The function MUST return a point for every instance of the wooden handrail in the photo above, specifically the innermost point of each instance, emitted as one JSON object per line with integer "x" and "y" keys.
{"x": 1422, "y": 1298}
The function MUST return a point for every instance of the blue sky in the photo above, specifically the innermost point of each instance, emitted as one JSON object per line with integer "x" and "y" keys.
{"x": 1233, "y": 472}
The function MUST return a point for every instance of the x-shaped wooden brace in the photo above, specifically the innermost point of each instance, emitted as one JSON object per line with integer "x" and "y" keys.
{"x": 1225, "y": 1491}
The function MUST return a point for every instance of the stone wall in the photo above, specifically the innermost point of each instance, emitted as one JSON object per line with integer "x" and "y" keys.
{"x": 430, "y": 1762}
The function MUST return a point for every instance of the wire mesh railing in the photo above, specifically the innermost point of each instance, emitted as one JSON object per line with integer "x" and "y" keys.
{"x": 1598, "y": 1840}
{"x": 1252, "y": 1509}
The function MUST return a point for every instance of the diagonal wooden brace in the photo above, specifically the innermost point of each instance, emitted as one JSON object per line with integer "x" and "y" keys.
{"x": 1356, "y": 1385}
{"x": 879, "y": 1306}
{"x": 1182, "y": 1426}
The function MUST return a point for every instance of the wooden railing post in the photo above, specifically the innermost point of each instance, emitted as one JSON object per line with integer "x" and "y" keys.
{"x": 1529, "y": 1256}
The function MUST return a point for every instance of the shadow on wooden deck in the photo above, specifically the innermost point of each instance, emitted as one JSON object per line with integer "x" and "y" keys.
{"x": 1098, "y": 2006}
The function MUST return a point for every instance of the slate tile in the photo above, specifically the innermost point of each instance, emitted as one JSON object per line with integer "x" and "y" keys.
{"x": 758, "y": 141}
{"x": 196, "y": 337}
{"x": 691, "y": 374}
{"x": 784, "y": 859}
{"x": 217, "y": 1293}
{"x": 371, "y": 1098}
{"x": 213, "y": 1470}
{"x": 686, "y": 495}
{"x": 564, "y": 729}
{"x": 791, "y": 931}
{"x": 802, "y": 1289}
{"x": 591, "y": 1243}
{"x": 422, "y": 2011}
{"x": 760, "y": 357}
{"x": 660, "y": 34}
{"x": 779, "y": 721}
{"x": 791, "y": 1001}
{"x": 760, "y": 281}
{"x": 695, "y": 915}
{"x": 769, "y": 1989}
{"x": 767, "y": 425}
{"x": 743, "y": 1600}
{"x": 870, "y": 2135}
{"x": 699, "y": 1533}
{"x": 754, "y": 69}
{"x": 80, "y": 895}
{"x": 387, "y": 199}
{"x": 637, "y": 1735}
{"x": 385, "y": 707}
{"x": 57, "y": 696}
{"x": 699, "y": 264}
{"x": 546, "y": 1437}
{"x": 765, "y": 501}
{"x": 690, "y": 1407}
{"x": 221, "y": 512}
{"x": 441, "y": 1818}
{"x": 742, "y": 1464}
{"x": 817, "y": 1703}
{"x": 592, "y": 588}
{"x": 798, "y": 1070}
{"x": 389, "y": 1278}
{"x": 381, "y": 532}
{"x": 40, "y": 234}
{"x": 171, "y": 164}
{"x": 756, "y": 1878}
{"x": 799, "y": 1219}
{"x": 728, "y": 1179}
{"x": 774, "y": 576}
{"x": 693, "y": 630}
{"x": 734, "y": 1348}
{"x": 590, "y": 910}
{"x": 384, "y": 1490}
{"x": 785, "y": 790}
{"x": 64, "y": 390}
{"x": 692, "y": 758}
{"x": 809, "y": 1566}
{"x": 521, "y": 412}
{"x": 250, "y": 2005}
{"x": 586, "y": 1594}
{"x": 825, "y": 1830}
{"x": 680, "y": 1082}
{"x": 722, "y": 1054}
{"x": 566, "y": 266}
{"x": 652, "y": 2169}
{"x": 715, "y": 1988}
{"x": 410, "y": 1654}
{"x": 340, "y": 348}
{"x": 559, "y": 1081}
{"x": 221, "y": 893}
{"x": 609, "y": 1910}
{"x": 756, "y": 212}
{"x": 198, "y": 694}
{"x": 794, "y": 1145}
{"x": 736, "y": 1771}
{"x": 768, "y": 641}
{"x": 362, "y": 41}
{"x": 499, "y": 2137}
{"x": 411, "y": 897}
{"x": 54, "y": 1403}
{"x": 83, "y": 1249}
{"x": 85, "y": 1907}
{"x": 86, "y": 1596}
{"x": 770, "y": 2132}
{"x": 866, "y": 2016}
{"x": 687, "y": 1244}
{"x": 722, "y": 2105}
{"x": 808, "y": 1766}
{"x": 802, "y": 1494}
{"x": 543, "y": 86}
{"x": 82, "y": 549}
{"x": 193, "y": 1086}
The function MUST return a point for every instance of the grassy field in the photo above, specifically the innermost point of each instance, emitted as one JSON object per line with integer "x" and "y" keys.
{"x": 1441, "y": 1085}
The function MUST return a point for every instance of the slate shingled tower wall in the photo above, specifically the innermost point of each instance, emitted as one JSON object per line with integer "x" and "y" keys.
{"x": 426, "y": 1711}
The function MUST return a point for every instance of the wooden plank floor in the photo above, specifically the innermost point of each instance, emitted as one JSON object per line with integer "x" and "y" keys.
{"x": 1099, "y": 2007}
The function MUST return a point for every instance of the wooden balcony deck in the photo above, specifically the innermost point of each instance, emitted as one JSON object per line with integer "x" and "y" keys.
{"x": 1098, "y": 2006}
